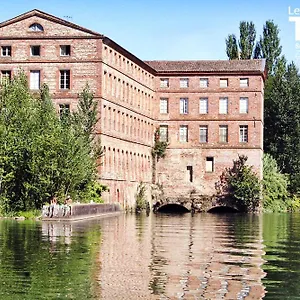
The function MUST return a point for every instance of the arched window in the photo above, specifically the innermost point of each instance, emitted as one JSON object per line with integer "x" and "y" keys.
{"x": 36, "y": 27}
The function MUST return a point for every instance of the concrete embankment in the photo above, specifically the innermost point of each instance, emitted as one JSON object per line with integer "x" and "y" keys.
{"x": 78, "y": 211}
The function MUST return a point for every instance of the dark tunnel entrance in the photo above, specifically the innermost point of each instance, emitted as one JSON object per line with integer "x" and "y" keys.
{"x": 173, "y": 209}
{"x": 222, "y": 210}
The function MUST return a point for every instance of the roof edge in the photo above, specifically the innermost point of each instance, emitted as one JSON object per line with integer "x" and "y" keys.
{"x": 41, "y": 14}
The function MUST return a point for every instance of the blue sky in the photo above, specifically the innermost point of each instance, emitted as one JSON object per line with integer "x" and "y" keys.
{"x": 169, "y": 29}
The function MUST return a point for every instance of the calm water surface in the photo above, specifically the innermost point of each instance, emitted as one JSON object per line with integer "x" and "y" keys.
{"x": 157, "y": 257}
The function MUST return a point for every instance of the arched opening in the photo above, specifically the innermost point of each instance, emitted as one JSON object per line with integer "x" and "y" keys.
{"x": 173, "y": 209}
{"x": 223, "y": 210}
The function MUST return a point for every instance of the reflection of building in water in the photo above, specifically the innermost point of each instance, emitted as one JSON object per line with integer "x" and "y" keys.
{"x": 56, "y": 231}
{"x": 206, "y": 258}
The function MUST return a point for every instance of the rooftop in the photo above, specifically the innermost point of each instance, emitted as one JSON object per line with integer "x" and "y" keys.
{"x": 253, "y": 65}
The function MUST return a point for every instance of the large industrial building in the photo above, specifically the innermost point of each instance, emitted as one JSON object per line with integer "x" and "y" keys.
{"x": 208, "y": 111}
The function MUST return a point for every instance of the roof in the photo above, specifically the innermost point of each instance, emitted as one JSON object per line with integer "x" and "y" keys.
{"x": 207, "y": 66}
{"x": 41, "y": 14}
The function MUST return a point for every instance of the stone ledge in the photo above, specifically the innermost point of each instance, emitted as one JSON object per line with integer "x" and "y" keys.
{"x": 78, "y": 211}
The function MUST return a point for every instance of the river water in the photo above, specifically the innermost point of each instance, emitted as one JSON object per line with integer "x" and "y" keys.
{"x": 205, "y": 256}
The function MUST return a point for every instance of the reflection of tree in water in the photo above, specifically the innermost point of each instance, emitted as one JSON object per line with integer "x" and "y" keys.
{"x": 49, "y": 263}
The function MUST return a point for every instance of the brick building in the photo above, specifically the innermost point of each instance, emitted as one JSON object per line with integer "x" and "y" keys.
{"x": 209, "y": 111}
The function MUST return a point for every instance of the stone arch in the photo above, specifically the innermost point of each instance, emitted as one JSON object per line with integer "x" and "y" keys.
{"x": 222, "y": 209}
{"x": 172, "y": 208}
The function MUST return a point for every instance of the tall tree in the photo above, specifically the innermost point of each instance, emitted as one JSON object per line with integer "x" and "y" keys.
{"x": 243, "y": 49}
{"x": 232, "y": 47}
{"x": 269, "y": 46}
{"x": 247, "y": 39}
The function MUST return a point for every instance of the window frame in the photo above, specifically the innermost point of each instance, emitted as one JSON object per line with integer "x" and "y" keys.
{"x": 64, "y": 109}
{"x": 33, "y": 85}
{"x": 224, "y": 80}
{"x": 6, "y": 51}
{"x": 212, "y": 164}
{"x": 223, "y": 138}
{"x": 242, "y": 84}
{"x": 184, "y": 83}
{"x": 164, "y": 108}
{"x": 203, "y": 100}
{"x": 163, "y": 137}
{"x": 165, "y": 80}
{"x": 243, "y": 134}
{"x": 33, "y": 48}
{"x": 183, "y": 138}
{"x": 184, "y": 106}
{"x": 203, "y": 138}
{"x": 204, "y": 79}
{"x": 65, "y": 75}
{"x": 68, "y": 52}
{"x": 36, "y": 27}
{"x": 221, "y": 106}
{"x": 5, "y": 76}
{"x": 244, "y": 109}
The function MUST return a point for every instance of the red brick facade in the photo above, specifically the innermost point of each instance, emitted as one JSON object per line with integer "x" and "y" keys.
{"x": 129, "y": 93}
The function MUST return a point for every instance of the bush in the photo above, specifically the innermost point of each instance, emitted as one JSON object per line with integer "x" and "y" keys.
{"x": 241, "y": 184}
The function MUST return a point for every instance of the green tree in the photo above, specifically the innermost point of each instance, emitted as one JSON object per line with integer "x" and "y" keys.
{"x": 269, "y": 46}
{"x": 247, "y": 39}
{"x": 282, "y": 122}
{"x": 275, "y": 185}
{"x": 232, "y": 50}
{"x": 241, "y": 185}
{"x": 246, "y": 42}
{"x": 41, "y": 154}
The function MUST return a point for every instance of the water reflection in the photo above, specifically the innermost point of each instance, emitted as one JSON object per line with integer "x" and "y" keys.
{"x": 157, "y": 257}
{"x": 182, "y": 257}
{"x": 48, "y": 261}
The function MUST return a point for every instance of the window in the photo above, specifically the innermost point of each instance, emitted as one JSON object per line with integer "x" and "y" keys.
{"x": 163, "y": 106}
{"x": 183, "y": 133}
{"x": 183, "y": 105}
{"x": 203, "y": 107}
{"x": 203, "y": 134}
{"x": 64, "y": 110}
{"x": 65, "y": 79}
{"x": 243, "y": 133}
{"x": 65, "y": 50}
{"x": 223, "y": 106}
{"x": 6, "y": 51}
{"x": 244, "y": 82}
{"x": 5, "y": 76}
{"x": 223, "y": 82}
{"x": 164, "y": 82}
{"x": 35, "y": 50}
{"x": 243, "y": 105}
{"x": 36, "y": 27}
{"x": 190, "y": 173}
{"x": 209, "y": 166}
{"x": 203, "y": 82}
{"x": 184, "y": 82}
{"x": 223, "y": 134}
{"x": 163, "y": 133}
{"x": 34, "y": 80}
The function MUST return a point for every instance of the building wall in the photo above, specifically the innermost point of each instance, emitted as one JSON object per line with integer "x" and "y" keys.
{"x": 174, "y": 171}
{"x": 127, "y": 126}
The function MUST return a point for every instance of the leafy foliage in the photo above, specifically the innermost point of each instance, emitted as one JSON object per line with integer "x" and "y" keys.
{"x": 242, "y": 49}
{"x": 275, "y": 186}
{"x": 282, "y": 121}
{"x": 140, "y": 197}
{"x": 40, "y": 154}
{"x": 240, "y": 184}
{"x": 159, "y": 148}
